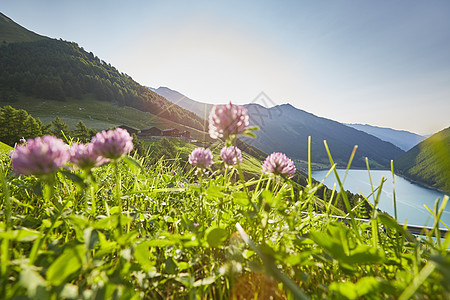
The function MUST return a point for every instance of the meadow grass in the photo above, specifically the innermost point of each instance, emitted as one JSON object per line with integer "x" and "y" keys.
{"x": 5, "y": 149}
{"x": 182, "y": 234}
{"x": 87, "y": 110}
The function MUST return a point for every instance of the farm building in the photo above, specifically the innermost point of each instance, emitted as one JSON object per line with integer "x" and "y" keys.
{"x": 171, "y": 132}
{"x": 130, "y": 130}
{"x": 149, "y": 132}
{"x": 154, "y": 132}
{"x": 185, "y": 134}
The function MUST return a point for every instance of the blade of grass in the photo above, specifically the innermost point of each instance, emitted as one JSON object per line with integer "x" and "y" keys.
{"x": 342, "y": 191}
{"x": 431, "y": 212}
{"x": 393, "y": 189}
{"x": 349, "y": 163}
{"x": 417, "y": 281}
{"x": 309, "y": 161}
{"x": 271, "y": 268}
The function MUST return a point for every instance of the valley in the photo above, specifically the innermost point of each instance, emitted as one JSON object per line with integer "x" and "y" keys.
{"x": 110, "y": 189}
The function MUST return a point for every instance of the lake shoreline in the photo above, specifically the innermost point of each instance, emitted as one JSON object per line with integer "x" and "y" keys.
{"x": 400, "y": 175}
{"x": 411, "y": 196}
{"x": 423, "y": 184}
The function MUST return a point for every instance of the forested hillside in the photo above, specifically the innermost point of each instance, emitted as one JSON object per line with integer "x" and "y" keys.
{"x": 285, "y": 128}
{"x": 428, "y": 162}
{"x": 59, "y": 70}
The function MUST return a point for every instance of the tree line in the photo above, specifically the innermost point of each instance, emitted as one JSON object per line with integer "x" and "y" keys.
{"x": 60, "y": 70}
{"x": 17, "y": 124}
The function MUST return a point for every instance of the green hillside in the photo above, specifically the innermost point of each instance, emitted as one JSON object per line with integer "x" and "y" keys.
{"x": 96, "y": 114}
{"x": 4, "y": 149}
{"x": 10, "y": 32}
{"x": 428, "y": 162}
{"x": 51, "y": 69}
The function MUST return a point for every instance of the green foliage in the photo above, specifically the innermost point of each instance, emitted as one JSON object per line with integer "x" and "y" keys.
{"x": 163, "y": 148}
{"x": 11, "y": 32}
{"x": 59, "y": 70}
{"x": 174, "y": 236}
{"x": 138, "y": 146}
{"x": 60, "y": 129}
{"x": 428, "y": 162}
{"x": 16, "y": 124}
{"x": 4, "y": 149}
{"x": 82, "y": 133}
{"x": 98, "y": 115}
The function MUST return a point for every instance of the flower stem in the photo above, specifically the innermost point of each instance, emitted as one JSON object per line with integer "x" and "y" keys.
{"x": 91, "y": 193}
{"x": 7, "y": 198}
{"x": 201, "y": 193}
{"x": 118, "y": 186}
{"x": 48, "y": 182}
{"x": 4, "y": 253}
{"x": 117, "y": 195}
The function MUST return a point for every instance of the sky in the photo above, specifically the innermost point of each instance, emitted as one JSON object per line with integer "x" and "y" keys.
{"x": 383, "y": 63}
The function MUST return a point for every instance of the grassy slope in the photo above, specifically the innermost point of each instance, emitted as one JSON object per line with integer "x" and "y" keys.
{"x": 429, "y": 161}
{"x": 4, "y": 149}
{"x": 102, "y": 115}
{"x": 96, "y": 114}
{"x": 250, "y": 165}
{"x": 11, "y": 32}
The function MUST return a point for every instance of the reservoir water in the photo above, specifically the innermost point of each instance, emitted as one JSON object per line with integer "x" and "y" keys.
{"x": 410, "y": 197}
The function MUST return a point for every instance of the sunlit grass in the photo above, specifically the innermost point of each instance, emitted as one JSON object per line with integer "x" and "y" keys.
{"x": 177, "y": 234}
{"x": 4, "y": 149}
{"x": 87, "y": 110}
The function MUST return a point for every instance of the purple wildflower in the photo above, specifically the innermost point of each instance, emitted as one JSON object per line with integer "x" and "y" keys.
{"x": 180, "y": 184}
{"x": 40, "y": 156}
{"x": 201, "y": 158}
{"x": 279, "y": 164}
{"x": 231, "y": 155}
{"x": 112, "y": 143}
{"x": 85, "y": 157}
{"x": 173, "y": 172}
{"x": 226, "y": 120}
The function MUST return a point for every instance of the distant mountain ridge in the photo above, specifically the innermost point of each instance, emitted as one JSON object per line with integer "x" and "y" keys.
{"x": 405, "y": 140}
{"x": 286, "y": 129}
{"x": 201, "y": 109}
{"x": 290, "y": 127}
{"x": 428, "y": 162}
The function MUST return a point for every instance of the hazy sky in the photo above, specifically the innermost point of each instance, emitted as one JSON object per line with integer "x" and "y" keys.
{"x": 384, "y": 63}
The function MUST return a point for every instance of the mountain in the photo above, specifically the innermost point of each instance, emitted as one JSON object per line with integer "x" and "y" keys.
{"x": 405, "y": 140}
{"x": 35, "y": 67}
{"x": 201, "y": 109}
{"x": 11, "y": 32}
{"x": 428, "y": 162}
{"x": 286, "y": 129}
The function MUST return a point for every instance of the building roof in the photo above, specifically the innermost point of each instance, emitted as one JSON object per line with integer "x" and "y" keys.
{"x": 151, "y": 127}
{"x": 128, "y": 127}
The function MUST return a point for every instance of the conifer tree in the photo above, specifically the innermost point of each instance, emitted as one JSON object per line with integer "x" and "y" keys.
{"x": 81, "y": 132}
{"x": 16, "y": 124}
{"x": 59, "y": 127}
